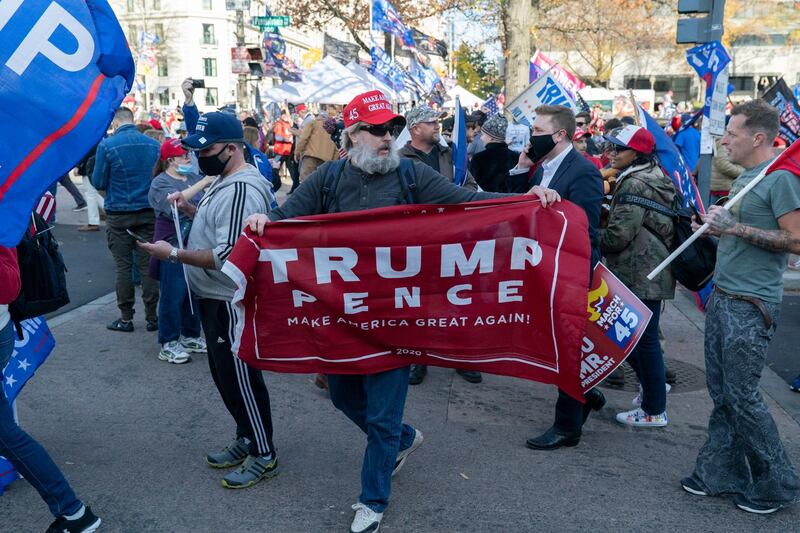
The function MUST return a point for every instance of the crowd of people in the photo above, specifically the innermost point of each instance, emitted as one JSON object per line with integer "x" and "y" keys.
{"x": 220, "y": 172}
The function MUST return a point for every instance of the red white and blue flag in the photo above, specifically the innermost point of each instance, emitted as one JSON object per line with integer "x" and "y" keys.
{"x": 78, "y": 48}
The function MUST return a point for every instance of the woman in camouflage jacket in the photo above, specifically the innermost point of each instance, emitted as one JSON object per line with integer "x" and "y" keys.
{"x": 633, "y": 243}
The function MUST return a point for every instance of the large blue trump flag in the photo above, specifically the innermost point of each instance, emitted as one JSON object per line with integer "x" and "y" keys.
{"x": 64, "y": 68}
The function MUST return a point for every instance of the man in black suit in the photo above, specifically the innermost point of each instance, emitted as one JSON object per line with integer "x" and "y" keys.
{"x": 575, "y": 178}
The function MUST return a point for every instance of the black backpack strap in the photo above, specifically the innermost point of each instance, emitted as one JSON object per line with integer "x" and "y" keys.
{"x": 647, "y": 203}
{"x": 330, "y": 182}
{"x": 408, "y": 180}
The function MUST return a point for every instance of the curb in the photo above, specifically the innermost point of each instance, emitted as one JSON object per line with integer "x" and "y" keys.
{"x": 82, "y": 310}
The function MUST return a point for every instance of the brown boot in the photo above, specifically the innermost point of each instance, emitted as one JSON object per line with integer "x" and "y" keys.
{"x": 89, "y": 227}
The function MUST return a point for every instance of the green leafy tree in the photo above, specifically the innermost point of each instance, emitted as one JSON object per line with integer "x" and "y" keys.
{"x": 475, "y": 72}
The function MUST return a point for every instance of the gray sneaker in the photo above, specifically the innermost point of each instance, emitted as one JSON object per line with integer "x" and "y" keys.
{"x": 254, "y": 469}
{"x": 231, "y": 455}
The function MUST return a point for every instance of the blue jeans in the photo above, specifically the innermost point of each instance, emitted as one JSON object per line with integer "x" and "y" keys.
{"x": 647, "y": 361}
{"x": 375, "y": 402}
{"x": 175, "y": 317}
{"x": 28, "y": 456}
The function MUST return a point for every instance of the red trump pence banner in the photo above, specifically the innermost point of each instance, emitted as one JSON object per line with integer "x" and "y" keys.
{"x": 498, "y": 286}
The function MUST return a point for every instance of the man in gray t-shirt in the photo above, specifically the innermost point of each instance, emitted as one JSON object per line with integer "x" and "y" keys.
{"x": 743, "y": 454}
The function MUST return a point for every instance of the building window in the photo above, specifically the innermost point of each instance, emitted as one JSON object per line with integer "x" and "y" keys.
{"x": 211, "y": 96}
{"x": 130, "y": 5}
{"x": 156, "y": 5}
{"x": 208, "y": 34}
{"x": 163, "y": 71}
{"x": 742, "y": 83}
{"x": 133, "y": 33}
{"x": 209, "y": 67}
{"x": 163, "y": 97}
{"x": 207, "y": 5}
{"x": 159, "y": 30}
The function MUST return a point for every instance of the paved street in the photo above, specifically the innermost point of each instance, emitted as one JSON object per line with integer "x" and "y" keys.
{"x": 130, "y": 432}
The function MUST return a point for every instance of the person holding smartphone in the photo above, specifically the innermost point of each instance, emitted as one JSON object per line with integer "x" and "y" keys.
{"x": 178, "y": 318}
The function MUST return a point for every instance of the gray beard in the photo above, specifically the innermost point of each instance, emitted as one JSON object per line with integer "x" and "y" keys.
{"x": 370, "y": 162}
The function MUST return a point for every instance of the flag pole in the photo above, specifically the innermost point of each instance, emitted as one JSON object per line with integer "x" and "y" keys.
{"x": 688, "y": 242}
{"x": 636, "y": 118}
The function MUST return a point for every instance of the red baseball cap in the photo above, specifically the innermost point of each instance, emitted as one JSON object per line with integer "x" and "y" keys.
{"x": 580, "y": 134}
{"x": 155, "y": 123}
{"x": 371, "y": 107}
{"x": 633, "y": 137}
{"x": 172, "y": 148}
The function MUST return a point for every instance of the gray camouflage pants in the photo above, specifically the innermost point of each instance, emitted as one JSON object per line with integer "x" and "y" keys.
{"x": 743, "y": 453}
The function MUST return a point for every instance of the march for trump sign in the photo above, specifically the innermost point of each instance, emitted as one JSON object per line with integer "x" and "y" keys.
{"x": 498, "y": 286}
{"x": 64, "y": 69}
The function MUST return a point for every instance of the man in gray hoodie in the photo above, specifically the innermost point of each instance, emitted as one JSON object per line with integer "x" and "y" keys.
{"x": 238, "y": 191}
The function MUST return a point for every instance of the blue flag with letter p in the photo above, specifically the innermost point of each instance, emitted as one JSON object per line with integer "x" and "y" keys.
{"x": 64, "y": 69}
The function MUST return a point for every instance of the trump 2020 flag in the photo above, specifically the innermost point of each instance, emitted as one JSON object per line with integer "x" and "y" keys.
{"x": 64, "y": 69}
{"x": 544, "y": 91}
{"x": 29, "y": 354}
{"x": 459, "y": 146}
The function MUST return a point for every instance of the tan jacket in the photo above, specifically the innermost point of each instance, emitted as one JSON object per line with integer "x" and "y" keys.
{"x": 723, "y": 171}
{"x": 314, "y": 141}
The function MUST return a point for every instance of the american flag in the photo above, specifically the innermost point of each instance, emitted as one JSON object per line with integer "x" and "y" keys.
{"x": 491, "y": 106}
{"x": 46, "y": 207}
{"x": 584, "y": 107}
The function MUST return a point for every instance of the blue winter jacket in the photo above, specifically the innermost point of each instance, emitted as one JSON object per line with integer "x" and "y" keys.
{"x": 124, "y": 168}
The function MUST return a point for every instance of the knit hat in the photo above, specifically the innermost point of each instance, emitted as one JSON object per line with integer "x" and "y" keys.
{"x": 495, "y": 127}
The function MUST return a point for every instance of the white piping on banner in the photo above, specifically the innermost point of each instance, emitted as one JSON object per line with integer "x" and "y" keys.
{"x": 177, "y": 220}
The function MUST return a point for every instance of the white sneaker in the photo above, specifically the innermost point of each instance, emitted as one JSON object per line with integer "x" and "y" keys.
{"x": 402, "y": 455}
{"x": 637, "y": 401}
{"x": 638, "y": 418}
{"x": 193, "y": 344}
{"x": 173, "y": 352}
{"x": 366, "y": 520}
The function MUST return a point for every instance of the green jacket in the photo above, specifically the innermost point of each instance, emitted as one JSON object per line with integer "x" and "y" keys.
{"x": 631, "y": 250}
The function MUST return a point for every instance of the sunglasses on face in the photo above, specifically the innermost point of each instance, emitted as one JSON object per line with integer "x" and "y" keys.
{"x": 618, "y": 149}
{"x": 379, "y": 130}
{"x": 580, "y": 124}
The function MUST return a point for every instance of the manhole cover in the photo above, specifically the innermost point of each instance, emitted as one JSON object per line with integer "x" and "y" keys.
{"x": 687, "y": 378}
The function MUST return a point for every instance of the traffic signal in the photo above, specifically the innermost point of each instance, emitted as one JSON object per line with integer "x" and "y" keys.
{"x": 700, "y": 29}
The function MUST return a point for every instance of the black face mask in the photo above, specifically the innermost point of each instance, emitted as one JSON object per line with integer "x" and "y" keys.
{"x": 541, "y": 145}
{"x": 211, "y": 165}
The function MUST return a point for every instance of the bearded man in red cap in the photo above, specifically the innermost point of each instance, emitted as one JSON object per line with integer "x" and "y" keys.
{"x": 374, "y": 175}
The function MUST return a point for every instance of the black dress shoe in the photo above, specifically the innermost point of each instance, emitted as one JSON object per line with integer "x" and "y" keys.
{"x": 151, "y": 325}
{"x": 417, "y": 374}
{"x": 595, "y": 400}
{"x": 473, "y": 376}
{"x": 554, "y": 438}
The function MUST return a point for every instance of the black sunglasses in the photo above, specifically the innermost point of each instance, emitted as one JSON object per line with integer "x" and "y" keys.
{"x": 379, "y": 130}
{"x": 615, "y": 149}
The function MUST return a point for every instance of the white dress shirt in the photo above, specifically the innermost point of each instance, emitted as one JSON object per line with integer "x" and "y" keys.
{"x": 549, "y": 168}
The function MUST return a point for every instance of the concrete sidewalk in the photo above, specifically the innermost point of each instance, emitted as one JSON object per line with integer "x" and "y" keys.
{"x": 130, "y": 432}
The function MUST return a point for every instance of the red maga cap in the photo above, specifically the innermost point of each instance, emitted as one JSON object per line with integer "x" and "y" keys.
{"x": 171, "y": 148}
{"x": 373, "y": 108}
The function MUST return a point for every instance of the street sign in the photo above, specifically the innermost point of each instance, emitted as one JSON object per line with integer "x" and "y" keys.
{"x": 275, "y": 21}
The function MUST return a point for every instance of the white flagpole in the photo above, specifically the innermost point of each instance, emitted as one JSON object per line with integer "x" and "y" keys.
{"x": 177, "y": 221}
{"x": 702, "y": 229}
